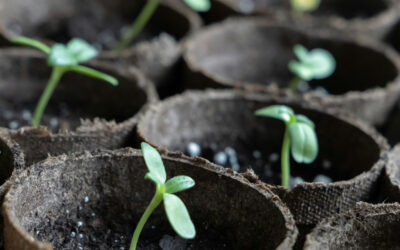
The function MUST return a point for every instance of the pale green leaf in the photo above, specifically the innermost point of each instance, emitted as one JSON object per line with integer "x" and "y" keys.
{"x": 304, "y": 143}
{"x": 81, "y": 50}
{"x": 199, "y": 5}
{"x": 94, "y": 74}
{"x": 154, "y": 163}
{"x": 178, "y": 216}
{"x": 179, "y": 183}
{"x": 31, "y": 42}
{"x": 279, "y": 112}
{"x": 302, "y": 70}
{"x": 304, "y": 119}
{"x": 305, "y": 5}
{"x": 321, "y": 62}
{"x": 60, "y": 56}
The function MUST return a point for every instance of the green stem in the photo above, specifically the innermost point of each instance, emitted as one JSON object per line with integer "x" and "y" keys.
{"x": 293, "y": 84}
{"x": 158, "y": 197}
{"x": 56, "y": 75}
{"x": 285, "y": 159}
{"x": 145, "y": 14}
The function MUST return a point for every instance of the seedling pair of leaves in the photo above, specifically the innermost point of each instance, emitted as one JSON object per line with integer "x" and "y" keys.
{"x": 316, "y": 64}
{"x": 145, "y": 15}
{"x": 300, "y": 138}
{"x": 175, "y": 209}
{"x": 63, "y": 59}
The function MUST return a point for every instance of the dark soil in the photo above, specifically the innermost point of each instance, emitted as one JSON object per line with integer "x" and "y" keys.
{"x": 266, "y": 165}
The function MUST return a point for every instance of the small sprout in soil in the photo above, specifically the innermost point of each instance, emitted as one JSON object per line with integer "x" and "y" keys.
{"x": 145, "y": 15}
{"x": 63, "y": 58}
{"x": 299, "y": 138}
{"x": 315, "y": 64}
{"x": 175, "y": 209}
{"x": 300, "y": 6}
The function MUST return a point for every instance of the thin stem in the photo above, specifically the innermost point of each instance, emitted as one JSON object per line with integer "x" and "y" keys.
{"x": 56, "y": 75}
{"x": 285, "y": 159}
{"x": 145, "y": 14}
{"x": 158, "y": 197}
{"x": 294, "y": 83}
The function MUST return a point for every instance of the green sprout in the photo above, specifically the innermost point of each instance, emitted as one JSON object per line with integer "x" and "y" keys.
{"x": 145, "y": 15}
{"x": 175, "y": 209}
{"x": 300, "y": 6}
{"x": 299, "y": 138}
{"x": 63, "y": 59}
{"x": 315, "y": 64}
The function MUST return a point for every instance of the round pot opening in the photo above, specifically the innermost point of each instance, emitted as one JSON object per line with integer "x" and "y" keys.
{"x": 252, "y": 52}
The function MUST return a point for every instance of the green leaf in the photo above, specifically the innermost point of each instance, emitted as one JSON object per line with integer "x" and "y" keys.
{"x": 179, "y": 183}
{"x": 301, "y": 70}
{"x": 60, "y": 56}
{"x": 178, "y": 216}
{"x": 154, "y": 163}
{"x": 279, "y": 112}
{"x": 199, "y": 5}
{"x": 31, "y": 42}
{"x": 304, "y": 143}
{"x": 305, "y": 5}
{"x": 304, "y": 119}
{"x": 322, "y": 63}
{"x": 81, "y": 50}
{"x": 94, "y": 74}
{"x": 300, "y": 51}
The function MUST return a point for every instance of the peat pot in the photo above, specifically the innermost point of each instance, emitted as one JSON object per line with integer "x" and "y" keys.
{"x": 253, "y": 53}
{"x": 24, "y": 76}
{"x": 370, "y": 17}
{"x": 101, "y": 23}
{"x": 94, "y": 201}
{"x": 214, "y": 123}
{"x": 391, "y": 180}
{"x": 366, "y": 226}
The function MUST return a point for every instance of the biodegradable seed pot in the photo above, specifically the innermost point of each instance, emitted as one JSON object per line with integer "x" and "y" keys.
{"x": 371, "y": 17}
{"x": 24, "y": 76}
{"x": 253, "y": 53}
{"x": 60, "y": 204}
{"x": 366, "y": 226}
{"x": 214, "y": 123}
{"x": 390, "y": 191}
{"x": 101, "y": 23}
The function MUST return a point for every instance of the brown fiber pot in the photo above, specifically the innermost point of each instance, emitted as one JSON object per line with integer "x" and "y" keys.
{"x": 11, "y": 162}
{"x": 219, "y": 119}
{"x": 253, "y": 53}
{"x": 373, "y": 17}
{"x": 226, "y": 209}
{"x": 156, "y": 51}
{"x": 24, "y": 76}
{"x": 391, "y": 180}
{"x": 366, "y": 226}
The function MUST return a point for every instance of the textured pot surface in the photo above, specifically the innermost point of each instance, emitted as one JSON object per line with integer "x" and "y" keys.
{"x": 224, "y": 206}
{"x": 366, "y": 226}
{"x": 254, "y": 53}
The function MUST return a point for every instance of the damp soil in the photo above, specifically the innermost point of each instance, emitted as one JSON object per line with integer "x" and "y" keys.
{"x": 266, "y": 165}
{"x": 92, "y": 226}
{"x": 102, "y": 26}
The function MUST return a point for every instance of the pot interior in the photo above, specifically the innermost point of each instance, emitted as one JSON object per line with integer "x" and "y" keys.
{"x": 96, "y": 201}
{"x": 254, "y": 53}
{"x": 24, "y": 78}
{"x": 218, "y": 123}
{"x": 98, "y": 22}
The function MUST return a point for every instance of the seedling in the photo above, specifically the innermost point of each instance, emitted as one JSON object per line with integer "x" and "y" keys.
{"x": 315, "y": 64}
{"x": 63, "y": 59}
{"x": 175, "y": 209}
{"x": 300, "y": 6}
{"x": 147, "y": 12}
{"x": 300, "y": 138}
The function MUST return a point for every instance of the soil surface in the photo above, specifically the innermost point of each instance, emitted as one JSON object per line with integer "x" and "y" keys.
{"x": 88, "y": 227}
{"x": 266, "y": 166}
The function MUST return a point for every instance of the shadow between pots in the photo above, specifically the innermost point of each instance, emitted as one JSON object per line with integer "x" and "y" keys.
{"x": 96, "y": 207}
